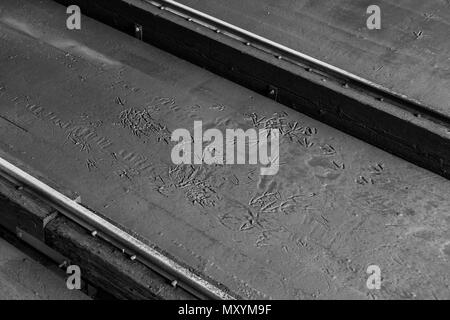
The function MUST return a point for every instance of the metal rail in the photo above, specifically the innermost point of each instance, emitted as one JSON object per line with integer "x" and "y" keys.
{"x": 180, "y": 275}
{"x": 288, "y": 54}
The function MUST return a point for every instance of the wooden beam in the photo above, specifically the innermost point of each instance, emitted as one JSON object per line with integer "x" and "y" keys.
{"x": 106, "y": 266}
{"x": 101, "y": 264}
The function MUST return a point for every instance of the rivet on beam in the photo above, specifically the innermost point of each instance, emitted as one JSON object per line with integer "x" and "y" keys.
{"x": 138, "y": 31}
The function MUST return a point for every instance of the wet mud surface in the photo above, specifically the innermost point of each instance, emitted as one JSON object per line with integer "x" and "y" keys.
{"x": 408, "y": 55}
{"x": 94, "y": 110}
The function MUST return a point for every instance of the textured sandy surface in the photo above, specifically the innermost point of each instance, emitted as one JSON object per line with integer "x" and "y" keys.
{"x": 93, "y": 109}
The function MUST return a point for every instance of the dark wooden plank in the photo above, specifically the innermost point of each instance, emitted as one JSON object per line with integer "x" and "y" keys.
{"x": 25, "y": 275}
{"x": 18, "y": 211}
{"x": 106, "y": 266}
{"x": 102, "y": 264}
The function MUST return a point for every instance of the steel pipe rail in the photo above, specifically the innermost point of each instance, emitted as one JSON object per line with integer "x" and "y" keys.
{"x": 141, "y": 251}
{"x": 291, "y": 55}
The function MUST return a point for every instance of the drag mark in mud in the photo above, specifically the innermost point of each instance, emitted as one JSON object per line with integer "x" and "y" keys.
{"x": 13, "y": 123}
{"x": 142, "y": 124}
{"x": 119, "y": 101}
{"x": 261, "y": 213}
{"x": 91, "y": 164}
{"x": 133, "y": 164}
{"x": 85, "y": 137}
{"x": 328, "y": 165}
{"x": 78, "y": 140}
{"x": 192, "y": 181}
{"x": 371, "y": 175}
{"x": 80, "y": 135}
{"x": 293, "y": 131}
{"x": 201, "y": 186}
{"x": 328, "y": 149}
